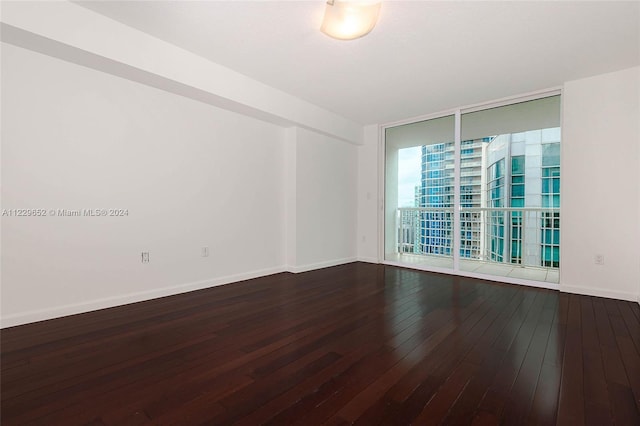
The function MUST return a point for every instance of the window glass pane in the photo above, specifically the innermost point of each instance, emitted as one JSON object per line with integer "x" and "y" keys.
{"x": 551, "y": 154}
{"x": 517, "y": 165}
{"x": 521, "y": 157}
{"x": 419, "y": 177}
{"x": 517, "y": 191}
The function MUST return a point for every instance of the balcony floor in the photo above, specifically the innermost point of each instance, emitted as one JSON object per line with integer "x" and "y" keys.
{"x": 546, "y": 275}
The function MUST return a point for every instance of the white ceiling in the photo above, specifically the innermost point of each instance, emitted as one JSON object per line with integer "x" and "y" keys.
{"x": 422, "y": 57}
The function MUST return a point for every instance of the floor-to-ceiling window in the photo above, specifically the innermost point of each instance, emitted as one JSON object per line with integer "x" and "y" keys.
{"x": 477, "y": 191}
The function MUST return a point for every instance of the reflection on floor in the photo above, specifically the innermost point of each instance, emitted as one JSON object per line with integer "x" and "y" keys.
{"x": 479, "y": 267}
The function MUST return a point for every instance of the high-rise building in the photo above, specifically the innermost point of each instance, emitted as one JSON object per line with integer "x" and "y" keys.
{"x": 523, "y": 170}
{"x": 437, "y": 191}
{"x": 410, "y": 227}
{"x": 471, "y": 196}
{"x": 407, "y": 237}
{"x": 503, "y": 171}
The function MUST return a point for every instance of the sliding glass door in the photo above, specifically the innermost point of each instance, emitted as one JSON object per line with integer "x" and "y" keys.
{"x": 477, "y": 192}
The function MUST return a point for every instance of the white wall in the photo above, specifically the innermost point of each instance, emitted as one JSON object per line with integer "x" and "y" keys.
{"x": 289, "y": 185}
{"x": 368, "y": 206}
{"x": 326, "y": 201}
{"x": 190, "y": 175}
{"x": 600, "y": 199}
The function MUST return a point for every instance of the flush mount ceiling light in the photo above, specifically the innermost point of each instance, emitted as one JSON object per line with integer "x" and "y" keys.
{"x": 349, "y": 19}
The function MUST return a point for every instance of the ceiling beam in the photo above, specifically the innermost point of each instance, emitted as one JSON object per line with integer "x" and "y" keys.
{"x": 75, "y": 34}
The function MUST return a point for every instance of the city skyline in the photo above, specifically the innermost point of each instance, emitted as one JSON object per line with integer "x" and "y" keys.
{"x": 516, "y": 170}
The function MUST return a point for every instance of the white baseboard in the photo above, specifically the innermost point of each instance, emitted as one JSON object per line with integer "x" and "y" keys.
{"x": 109, "y": 302}
{"x": 368, "y": 259}
{"x": 320, "y": 265}
{"x": 598, "y": 292}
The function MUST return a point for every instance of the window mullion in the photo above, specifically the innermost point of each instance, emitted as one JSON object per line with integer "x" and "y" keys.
{"x": 456, "y": 192}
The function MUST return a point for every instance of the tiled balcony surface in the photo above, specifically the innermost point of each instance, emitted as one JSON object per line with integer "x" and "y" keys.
{"x": 547, "y": 275}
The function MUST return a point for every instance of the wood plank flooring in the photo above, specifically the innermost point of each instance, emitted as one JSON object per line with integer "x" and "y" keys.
{"x": 353, "y": 344}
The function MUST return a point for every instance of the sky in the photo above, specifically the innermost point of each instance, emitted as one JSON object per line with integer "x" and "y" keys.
{"x": 408, "y": 174}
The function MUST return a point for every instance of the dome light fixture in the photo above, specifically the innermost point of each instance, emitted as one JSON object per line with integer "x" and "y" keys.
{"x": 350, "y": 19}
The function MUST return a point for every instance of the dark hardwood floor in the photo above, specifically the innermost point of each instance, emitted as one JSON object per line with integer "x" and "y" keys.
{"x": 357, "y": 343}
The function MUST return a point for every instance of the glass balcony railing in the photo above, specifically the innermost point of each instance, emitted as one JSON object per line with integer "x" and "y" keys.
{"x": 528, "y": 237}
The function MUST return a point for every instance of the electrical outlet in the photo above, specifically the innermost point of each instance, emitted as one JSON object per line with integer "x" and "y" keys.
{"x": 145, "y": 257}
{"x": 204, "y": 252}
{"x": 599, "y": 259}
